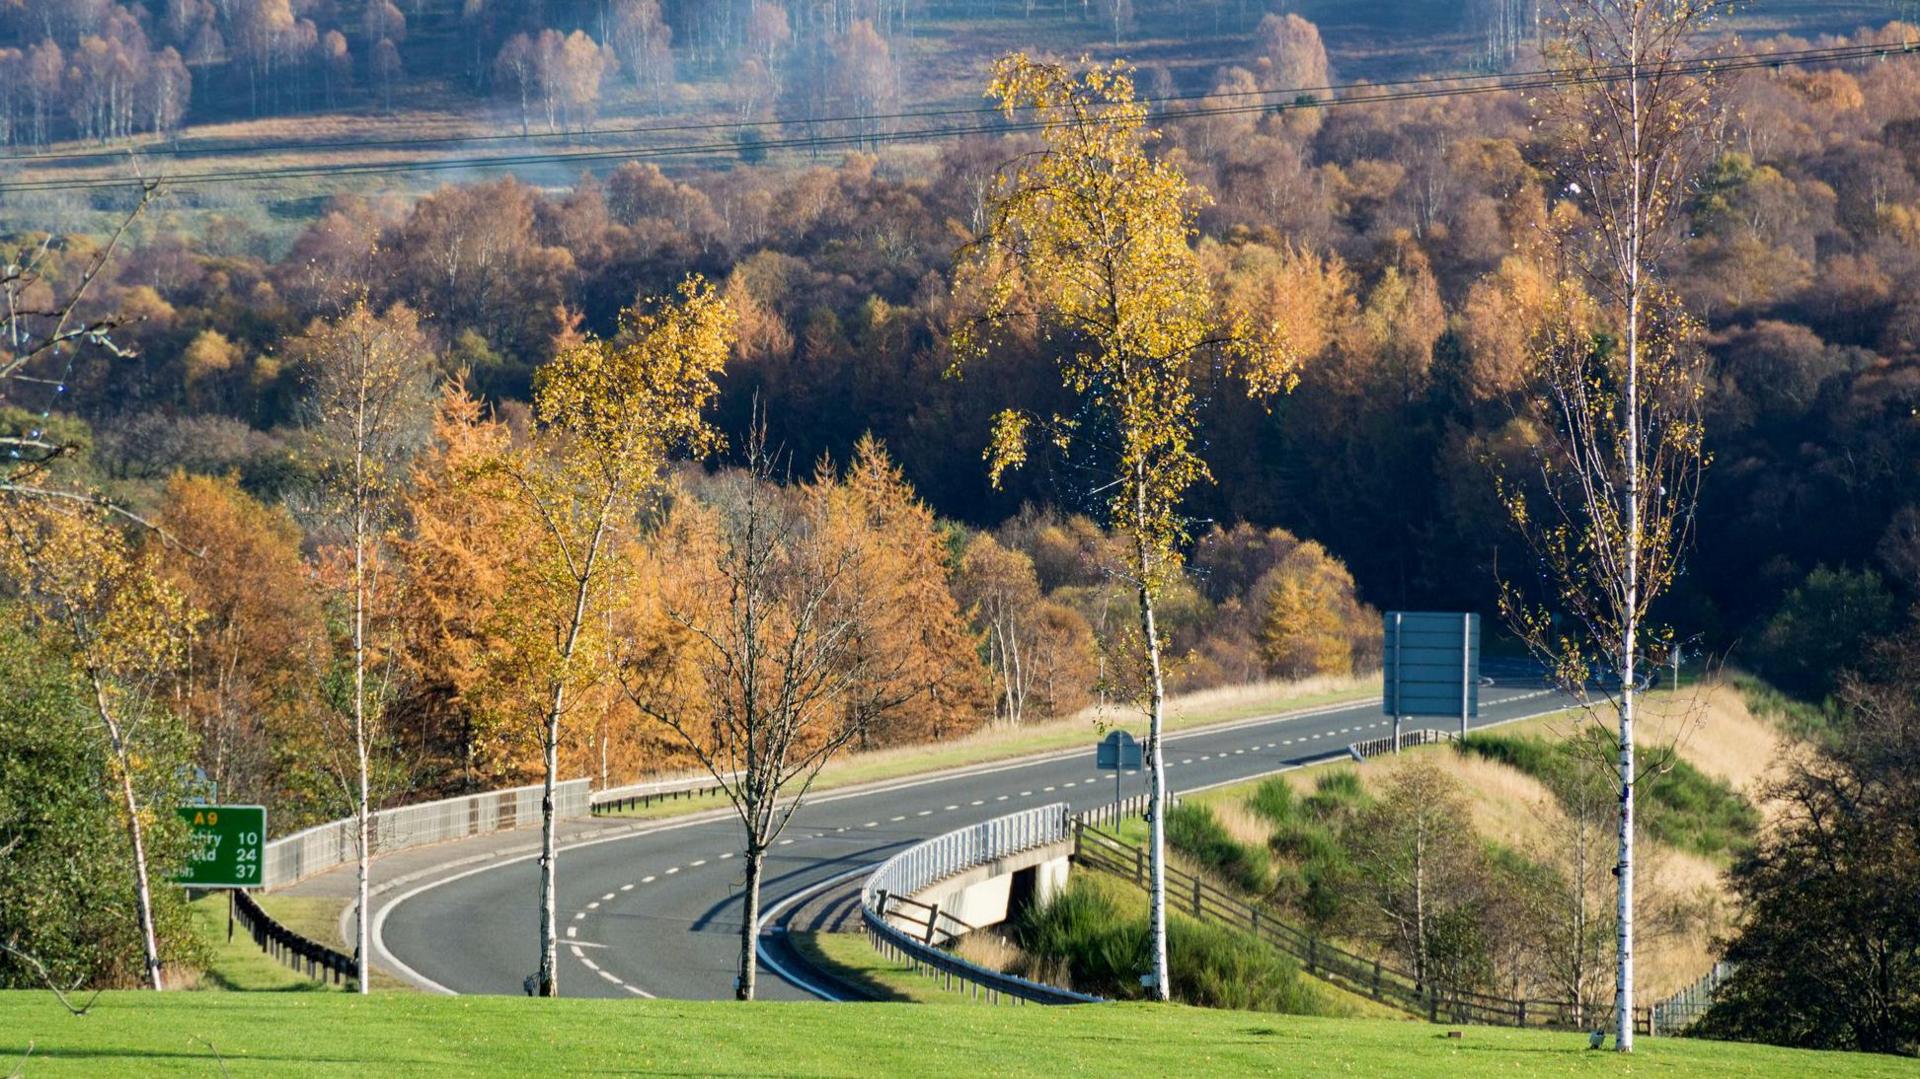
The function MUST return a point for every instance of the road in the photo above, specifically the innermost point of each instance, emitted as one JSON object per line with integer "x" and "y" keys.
{"x": 657, "y": 912}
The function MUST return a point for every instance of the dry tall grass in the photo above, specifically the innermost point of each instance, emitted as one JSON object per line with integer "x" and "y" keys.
{"x": 1243, "y": 824}
{"x": 1682, "y": 901}
{"x": 990, "y": 950}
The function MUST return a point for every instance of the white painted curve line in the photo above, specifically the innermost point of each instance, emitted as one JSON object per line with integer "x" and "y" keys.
{"x": 588, "y": 963}
{"x": 760, "y": 930}
{"x": 578, "y": 954}
{"x": 636, "y": 990}
{"x": 608, "y": 977}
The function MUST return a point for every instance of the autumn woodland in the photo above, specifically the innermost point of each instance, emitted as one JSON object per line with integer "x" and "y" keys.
{"x": 335, "y": 490}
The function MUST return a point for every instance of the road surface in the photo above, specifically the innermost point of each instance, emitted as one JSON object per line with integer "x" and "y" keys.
{"x": 657, "y": 912}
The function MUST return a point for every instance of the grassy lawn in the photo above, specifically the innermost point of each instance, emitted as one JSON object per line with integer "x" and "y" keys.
{"x": 1010, "y": 743}
{"x": 853, "y": 959}
{"x": 238, "y": 964}
{"x": 417, "y": 1034}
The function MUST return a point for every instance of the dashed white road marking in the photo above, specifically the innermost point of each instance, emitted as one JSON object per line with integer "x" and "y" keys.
{"x": 1184, "y": 760}
{"x": 636, "y": 990}
{"x": 580, "y": 916}
{"x": 578, "y": 954}
{"x": 588, "y": 963}
{"x": 1002, "y": 798}
{"x": 871, "y": 824}
{"x": 696, "y": 865}
{"x": 978, "y": 802}
{"x": 949, "y": 809}
{"x": 608, "y": 977}
{"x": 1071, "y": 783}
{"x": 572, "y": 929}
{"x": 626, "y": 887}
{"x": 1026, "y": 794}
{"x": 595, "y": 905}
{"x": 729, "y": 854}
{"x": 648, "y": 880}
{"x": 896, "y": 820}
{"x": 672, "y": 871}
{"x": 1049, "y": 789}
{"x": 924, "y": 813}
{"x": 786, "y": 842}
{"x": 607, "y": 898}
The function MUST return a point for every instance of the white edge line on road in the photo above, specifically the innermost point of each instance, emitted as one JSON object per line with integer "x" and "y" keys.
{"x": 382, "y": 954}
{"x": 759, "y": 931}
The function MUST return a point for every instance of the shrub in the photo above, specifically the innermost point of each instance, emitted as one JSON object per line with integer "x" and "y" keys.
{"x": 1196, "y": 832}
{"x": 1104, "y": 950}
{"x": 1273, "y": 799}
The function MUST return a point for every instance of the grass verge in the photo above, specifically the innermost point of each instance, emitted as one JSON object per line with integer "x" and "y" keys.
{"x": 852, "y": 959}
{"x": 418, "y": 1034}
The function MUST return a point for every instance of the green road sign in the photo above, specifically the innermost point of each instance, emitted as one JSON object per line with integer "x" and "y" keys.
{"x": 227, "y": 848}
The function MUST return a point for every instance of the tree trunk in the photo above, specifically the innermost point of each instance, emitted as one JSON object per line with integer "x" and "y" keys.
{"x": 364, "y": 868}
{"x": 1156, "y": 698}
{"x": 549, "y": 946}
{"x": 744, "y": 982}
{"x": 130, "y": 803}
{"x": 142, "y": 890}
{"x": 1630, "y": 609}
{"x": 549, "y": 916}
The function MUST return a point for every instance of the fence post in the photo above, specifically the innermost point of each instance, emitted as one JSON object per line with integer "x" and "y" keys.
{"x": 1313, "y": 953}
{"x": 1139, "y": 866}
{"x": 1196, "y": 897}
{"x": 1376, "y": 979}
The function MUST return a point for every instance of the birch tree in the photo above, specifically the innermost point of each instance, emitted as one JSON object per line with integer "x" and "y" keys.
{"x": 609, "y": 415}
{"x": 368, "y": 400}
{"x": 1089, "y": 236}
{"x": 126, "y": 629}
{"x": 771, "y": 615}
{"x": 1619, "y": 377}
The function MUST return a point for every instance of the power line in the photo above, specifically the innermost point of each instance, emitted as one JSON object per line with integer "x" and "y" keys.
{"x": 1330, "y": 90}
{"x": 1301, "y": 99}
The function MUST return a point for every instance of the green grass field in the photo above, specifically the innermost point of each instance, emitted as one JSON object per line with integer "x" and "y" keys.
{"x": 415, "y": 1034}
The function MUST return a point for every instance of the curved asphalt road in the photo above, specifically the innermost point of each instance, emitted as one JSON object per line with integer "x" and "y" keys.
{"x": 657, "y": 912}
